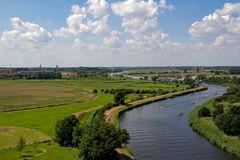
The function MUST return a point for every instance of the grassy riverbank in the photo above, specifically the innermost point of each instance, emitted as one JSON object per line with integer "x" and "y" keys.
{"x": 206, "y": 127}
{"x": 113, "y": 114}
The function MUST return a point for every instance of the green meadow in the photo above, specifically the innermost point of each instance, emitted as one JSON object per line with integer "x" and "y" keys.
{"x": 31, "y": 108}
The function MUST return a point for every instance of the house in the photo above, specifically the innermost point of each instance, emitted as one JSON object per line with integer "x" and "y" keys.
{"x": 68, "y": 73}
{"x": 5, "y": 71}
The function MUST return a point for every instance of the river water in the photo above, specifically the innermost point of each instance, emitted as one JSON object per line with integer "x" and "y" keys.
{"x": 158, "y": 133}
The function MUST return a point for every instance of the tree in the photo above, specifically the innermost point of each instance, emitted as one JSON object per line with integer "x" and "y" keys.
{"x": 119, "y": 98}
{"x": 21, "y": 144}
{"x": 99, "y": 140}
{"x": 219, "y": 109}
{"x": 64, "y": 130}
{"x": 204, "y": 112}
{"x": 95, "y": 91}
{"x": 235, "y": 110}
{"x": 145, "y": 77}
{"x": 189, "y": 81}
{"x": 232, "y": 90}
{"x": 154, "y": 78}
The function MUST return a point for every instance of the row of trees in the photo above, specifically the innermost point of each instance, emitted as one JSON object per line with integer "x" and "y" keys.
{"x": 133, "y": 91}
{"x": 223, "y": 79}
{"x": 96, "y": 140}
{"x": 33, "y": 75}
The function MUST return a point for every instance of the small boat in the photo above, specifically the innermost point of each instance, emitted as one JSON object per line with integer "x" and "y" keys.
{"x": 192, "y": 102}
{"x": 180, "y": 114}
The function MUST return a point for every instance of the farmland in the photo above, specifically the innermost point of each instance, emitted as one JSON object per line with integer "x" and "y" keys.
{"x": 31, "y": 108}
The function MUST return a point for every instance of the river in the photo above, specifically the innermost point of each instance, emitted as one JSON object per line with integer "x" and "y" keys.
{"x": 157, "y": 132}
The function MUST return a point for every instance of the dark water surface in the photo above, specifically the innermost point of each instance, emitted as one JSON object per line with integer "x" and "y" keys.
{"x": 157, "y": 132}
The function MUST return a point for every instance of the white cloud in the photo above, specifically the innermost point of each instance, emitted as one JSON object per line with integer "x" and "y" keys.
{"x": 140, "y": 19}
{"x": 25, "y": 35}
{"x": 138, "y": 15}
{"x": 98, "y": 8}
{"x": 164, "y": 5}
{"x": 135, "y": 8}
{"x": 113, "y": 40}
{"x": 223, "y": 25}
{"x": 90, "y": 19}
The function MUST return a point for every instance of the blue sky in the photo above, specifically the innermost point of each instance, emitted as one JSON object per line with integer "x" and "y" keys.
{"x": 52, "y": 14}
{"x": 176, "y": 23}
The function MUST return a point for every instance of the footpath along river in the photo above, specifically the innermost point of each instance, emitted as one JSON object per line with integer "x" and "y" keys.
{"x": 157, "y": 131}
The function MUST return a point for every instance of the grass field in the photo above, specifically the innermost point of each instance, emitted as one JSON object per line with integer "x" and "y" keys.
{"x": 42, "y": 151}
{"x": 38, "y": 123}
{"x": 17, "y": 95}
{"x": 9, "y": 136}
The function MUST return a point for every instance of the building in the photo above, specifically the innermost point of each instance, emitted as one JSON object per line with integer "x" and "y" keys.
{"x": 5, "y": 71}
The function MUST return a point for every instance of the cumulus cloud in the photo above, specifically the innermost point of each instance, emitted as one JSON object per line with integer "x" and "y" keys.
{"x": 222, "y": 25}
{"x": 164, "y": 5}
{"x": 25, "y": 35}
{"x": 90, "y": 19}
{"x": 140, "y": 19}
{"x": 98, "y": 8}
{"x": 113, "y": 40}
{"x": 138, "y": 15}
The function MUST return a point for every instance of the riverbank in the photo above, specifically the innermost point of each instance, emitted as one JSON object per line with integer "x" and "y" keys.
{"x": 113, "y": 114}
{"x": 207, "y": 128}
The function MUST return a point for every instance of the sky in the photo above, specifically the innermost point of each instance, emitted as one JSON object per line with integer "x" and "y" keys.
{"x": 119, "y": 33}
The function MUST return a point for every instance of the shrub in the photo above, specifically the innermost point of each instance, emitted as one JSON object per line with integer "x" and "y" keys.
{"x": 232, "y": 90}
{"x": 235, "y": 126}
{"x": 119, "y": 98}
{"x": 106, "y": 91}
{"x": 235, "y": 110}
{"x": 219, "y": 109}
{"x": 228, "y": 123}
{"x": 223, "y": 122}
{"x": 64, "y": 130}
{"x": 21, "y": 144}
{"x": 204, "y": 112}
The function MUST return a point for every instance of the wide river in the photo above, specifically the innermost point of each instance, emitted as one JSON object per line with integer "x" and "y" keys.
{"x": 157, "y": 132}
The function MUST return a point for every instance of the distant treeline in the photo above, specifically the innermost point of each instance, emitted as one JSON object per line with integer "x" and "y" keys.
{"x": 135, "y": 91}
{"x": 223, "y": 79}
{"x": 55, "y": 73}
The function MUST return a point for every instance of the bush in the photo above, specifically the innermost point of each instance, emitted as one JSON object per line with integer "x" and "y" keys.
{"x": 21, "y": 144}
{"x": 95, "y": 91}
{"x": 219, "y": 109}
{"x": 235, "y": 110}
{"x": 228, "y": 123}
{"x": 204, "y": 112}
{"x": 64, "y": 130}
{"x": 119, "y": 98}
{"x": 235, "y": 126}
{"x": 106, "y": 91}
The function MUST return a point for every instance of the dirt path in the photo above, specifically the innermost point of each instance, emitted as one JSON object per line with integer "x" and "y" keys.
{"x": 109, "y": 112}
{"x": 78, "y": 114}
